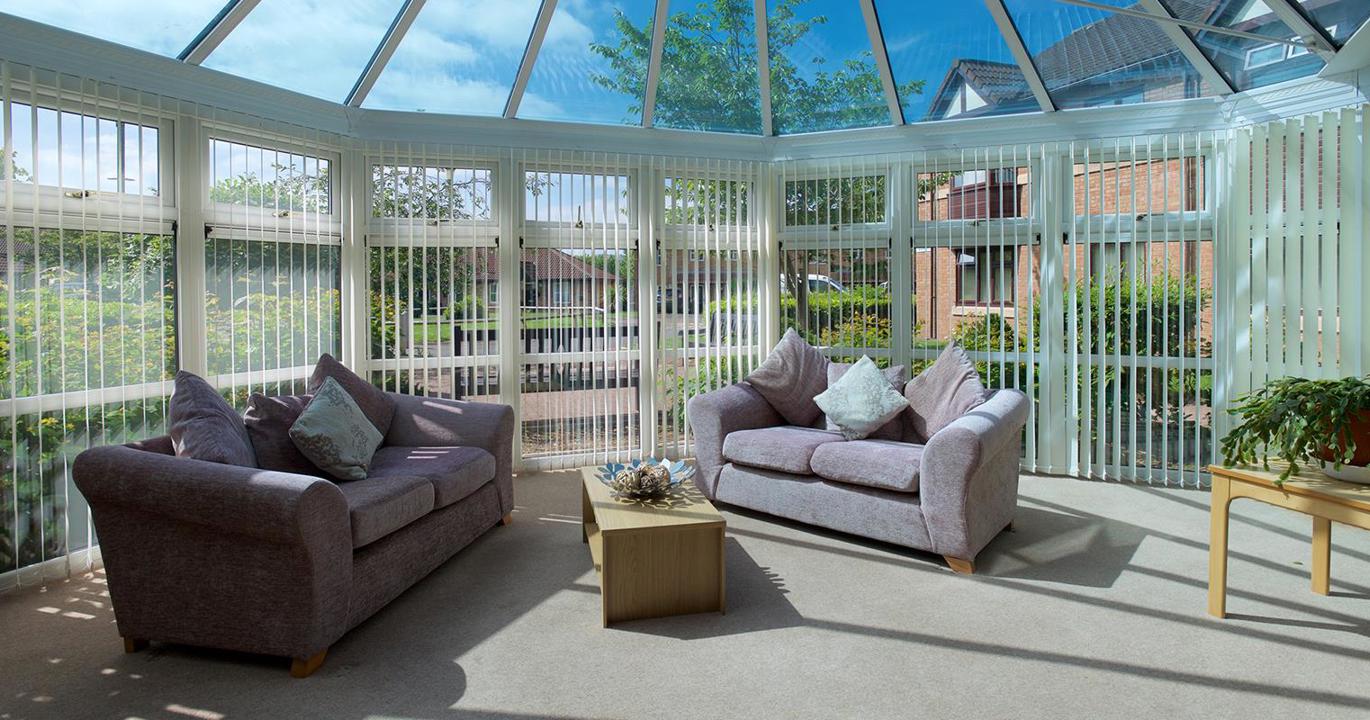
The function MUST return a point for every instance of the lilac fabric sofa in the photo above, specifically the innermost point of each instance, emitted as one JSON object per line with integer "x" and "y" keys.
{"x": 278, "y": 563}
{"x": 949, "y": 494}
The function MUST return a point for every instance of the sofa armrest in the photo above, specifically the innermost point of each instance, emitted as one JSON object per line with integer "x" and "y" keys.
{"x": 713, "y": 415}
{"x": 440, "y": 422}
{"x": 217, "y": 555}
{"x": 968, "y": 479}
{"x": 263, "y": 504}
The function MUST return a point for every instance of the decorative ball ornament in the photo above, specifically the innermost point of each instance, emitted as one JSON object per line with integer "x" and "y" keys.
{"x": 644, "y": 479}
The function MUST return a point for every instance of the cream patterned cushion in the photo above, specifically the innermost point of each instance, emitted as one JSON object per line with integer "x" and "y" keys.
{"x": 862, "y": 400}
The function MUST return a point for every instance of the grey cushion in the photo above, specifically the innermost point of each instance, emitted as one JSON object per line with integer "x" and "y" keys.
{"x": 380, "y": 506}
{"x": 204, "y": 426}
{"x": 785, "y": 448}
{"x": 898, "y": 375}
{"x": 454, "y": 472}
{"x": 862, "y": 400}
{"x": 883, "y": 464}
{"x": 268, "y": 421}
{"x": 790, "y": 377}
{"x": 948, "y": 389}
{"x": 335, "y": 435}
{"x": 378, "y": 406}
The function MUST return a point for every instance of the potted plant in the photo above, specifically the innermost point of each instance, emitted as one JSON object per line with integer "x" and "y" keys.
{"x": 1299, "y": 420}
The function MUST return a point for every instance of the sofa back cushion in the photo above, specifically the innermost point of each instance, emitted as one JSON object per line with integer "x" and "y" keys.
{"x": 378, "y": 407}
{"x": 948, "y": 389}
{"x": 898, "y": 375}
{"x": 268, "y": 421}
{"x": 792, "y": 375}
{"x": 335, "y": 434}
{"x": 204, "y": 426}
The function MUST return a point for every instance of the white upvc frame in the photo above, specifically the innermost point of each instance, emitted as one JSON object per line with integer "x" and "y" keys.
{"x": 216, "y": 31}
{"x": 530, "y": 58}
{"x": 654, "y": 61}
{"x": 763, "y": 66}
{"x": 1019, "y": 50}
{"x": 882, "y": 61}
{"x": 381, "y": 57}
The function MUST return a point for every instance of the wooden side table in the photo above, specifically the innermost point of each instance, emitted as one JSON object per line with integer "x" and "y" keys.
{"x": 1309, "y": 492}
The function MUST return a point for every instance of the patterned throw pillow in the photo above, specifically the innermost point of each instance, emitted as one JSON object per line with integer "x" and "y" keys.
{"x": 335, "y": 434}
{"x": 790, "y": 377}
{"x": 203, "y": 426}
{"x": 948, "y": 389}
{"x": 862, "y": 400}
{"x": 898, "y": 375}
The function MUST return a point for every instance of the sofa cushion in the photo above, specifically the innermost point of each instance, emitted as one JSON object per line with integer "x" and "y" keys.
{"x": 786, "y": 448}
{"x": 862, "y": 400}
{"x": 380, "y": 506}
{"x": 948, "y": 389}
{"x": 203, "y": 426}
{"x": 790, "y": 377}
{"x": 379, "y": 407}
{"x": 335, "y": 434}
{"x": 898, "y": 375}
{"x": 884, "y": 464}
{"x": 268, "y": 421}
{"x": 454, "y": 472}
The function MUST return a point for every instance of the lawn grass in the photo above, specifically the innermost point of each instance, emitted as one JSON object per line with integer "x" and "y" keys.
{"x": 433, "y": 331}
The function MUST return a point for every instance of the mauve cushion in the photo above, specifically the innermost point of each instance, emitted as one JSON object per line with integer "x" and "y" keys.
{"x": 791, "y": 376}
{"x": 898, "y": 375}
{"x": 374, "y": 403}
{"x": 268, "y": 421}
{"x": 204, "y": 426}
{"x": 948, "y": 389}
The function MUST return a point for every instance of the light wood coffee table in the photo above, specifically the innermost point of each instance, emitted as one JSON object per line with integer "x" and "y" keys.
{"x": 654, "y": 558}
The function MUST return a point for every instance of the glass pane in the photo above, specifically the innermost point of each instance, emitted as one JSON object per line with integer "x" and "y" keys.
{"x": 835, "y": 201}
{"x": 593, "y": 63}
{"x": 1248, "y": 63}
{"x": 72, "y": 150}
{"x": 1340, "y": 18}
{"x": 267, "y": 178}
{"x": 823, "y": 75}
{"x": 950, "y": 60}
{"x": 165, "y": 27}
{"x": 708, "y": 69}
{"x": 845, "y": 303}
{"x": 458, "y": 57}
{"x": 314, "y": 47}
{"x": 1092, "y": 58}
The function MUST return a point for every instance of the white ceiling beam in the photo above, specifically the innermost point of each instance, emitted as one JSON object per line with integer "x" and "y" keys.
{"x": 1185, "y": 42}
{"x": 1192, "y": 24}
{"x": 1315, "y": 37}
{"x": 763, "y": 66}
{"x": 654, "y": 61}
{"x": 530, "y": 57}
{"x": 398, "y": 27}
{"x": 882, "y": 61}
{"x": 217, "y": 29}
{"x": 1020, "y": 54}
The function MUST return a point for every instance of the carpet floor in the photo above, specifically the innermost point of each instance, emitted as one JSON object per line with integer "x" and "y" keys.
{"x": 1094, "y": 606}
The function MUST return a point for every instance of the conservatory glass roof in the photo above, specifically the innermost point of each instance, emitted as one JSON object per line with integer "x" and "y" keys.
{"x": 697, "y": 64}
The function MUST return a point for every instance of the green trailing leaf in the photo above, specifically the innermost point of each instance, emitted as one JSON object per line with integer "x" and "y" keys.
{"x": 1297, "y": 420}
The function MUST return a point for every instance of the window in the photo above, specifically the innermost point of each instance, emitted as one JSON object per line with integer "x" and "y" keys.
{"x": 985, "y": 276}
{"x": 835, "y": 201}
{"x": 1265, "y": 55}
{"x": 429, "y": 192}
{"x": 83, "y": 152}
{"x": 986, "y": 194}
{"x": 279, "y": 180}
{"x": 576, "y": 199}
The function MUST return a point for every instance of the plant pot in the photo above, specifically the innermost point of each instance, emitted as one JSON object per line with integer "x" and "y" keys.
{"x": 1359, "y": 431}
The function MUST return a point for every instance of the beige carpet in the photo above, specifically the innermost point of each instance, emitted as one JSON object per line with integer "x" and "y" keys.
{"x": 1092, "y": 608}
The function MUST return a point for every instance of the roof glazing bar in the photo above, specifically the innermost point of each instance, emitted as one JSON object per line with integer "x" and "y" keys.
{"x": 214, "y": 33}
{"x": 1194, "y": 25}
{"x": 403, "y": 19}
{"x": 1020, "y": 54}
{"x": 530, "y": 57}
{"x": 1185, "y": 42}
{"x": 654, "y": 64}
{"x": 882, "y": 61}
{"x": 763, "y": 66}
{"x": 1316, "y": 39}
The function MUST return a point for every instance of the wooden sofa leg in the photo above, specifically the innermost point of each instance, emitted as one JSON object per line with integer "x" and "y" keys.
{"x": 959, "y": 566}
{"x": 133, "y": 645}
{"x": 304, "y": 667}
{"x": 507, "y": 520}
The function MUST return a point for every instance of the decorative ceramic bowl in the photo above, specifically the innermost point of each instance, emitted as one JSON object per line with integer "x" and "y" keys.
{"x": 644, "y": 479}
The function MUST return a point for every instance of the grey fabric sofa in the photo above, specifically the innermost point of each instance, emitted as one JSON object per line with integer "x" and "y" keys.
{"x": 950, "y": 494}
{"x": 240, "y": 558}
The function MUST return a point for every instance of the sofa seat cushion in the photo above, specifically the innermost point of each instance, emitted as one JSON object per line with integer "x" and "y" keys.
{"x": 884, "y": 464}
{"x": 786, "y": 448}
{"x": 379, "y": 506}
{"x": 454, "y": 472}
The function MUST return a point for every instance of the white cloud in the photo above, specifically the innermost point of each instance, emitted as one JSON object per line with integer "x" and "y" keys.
{"x": 161, "y": 26}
